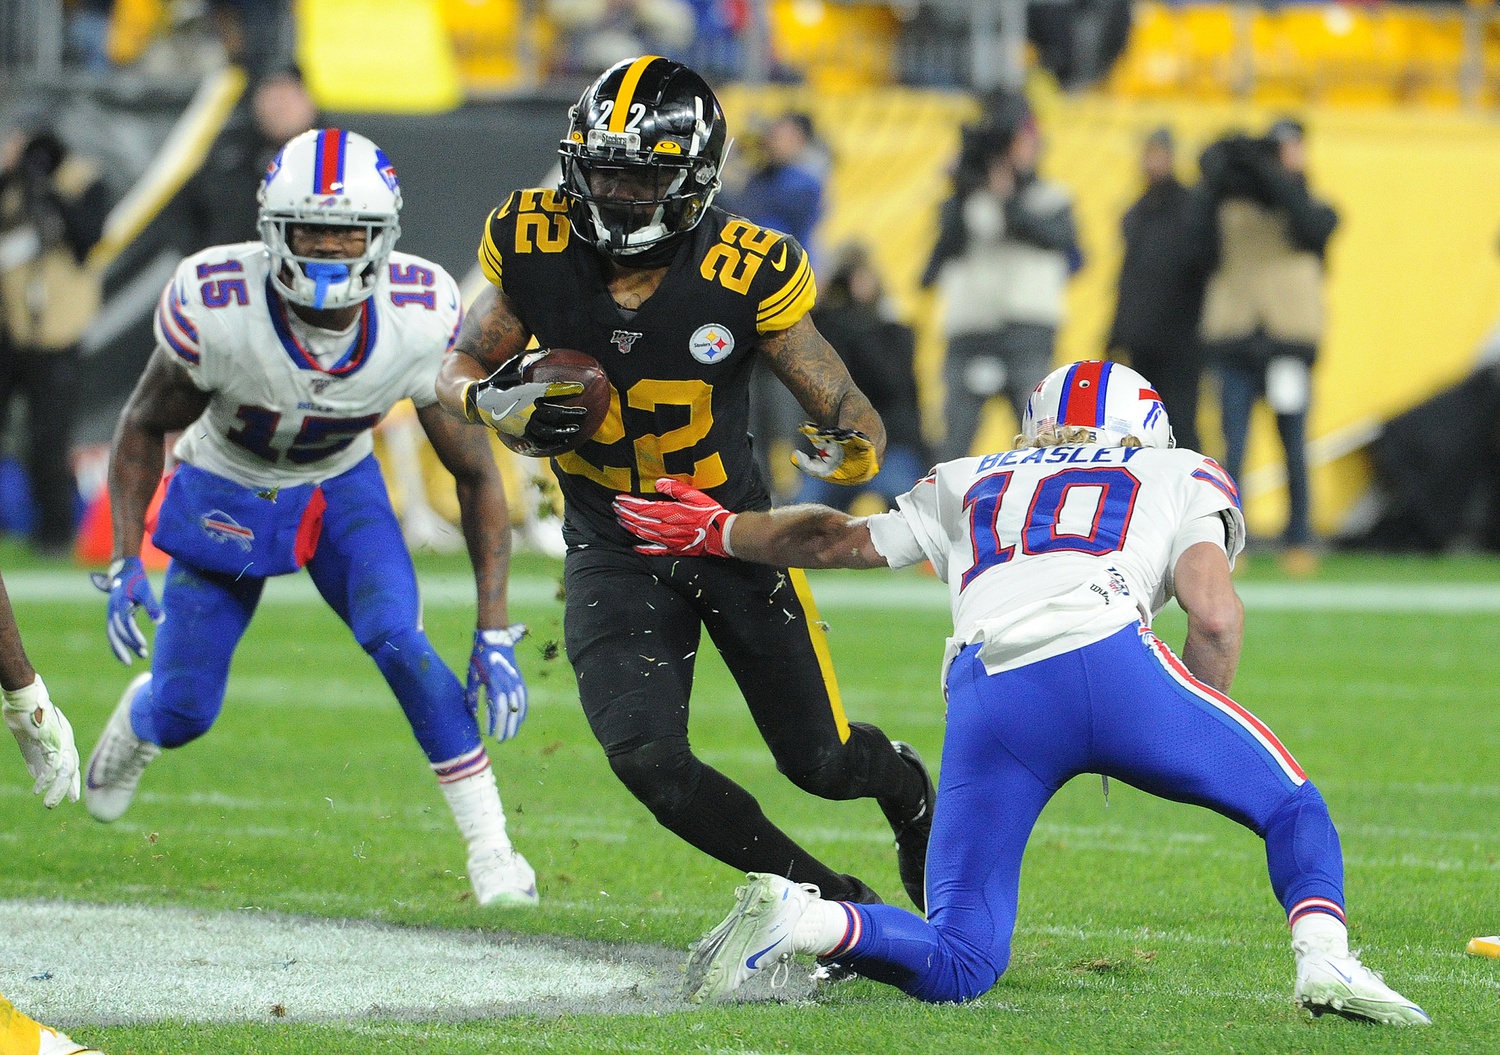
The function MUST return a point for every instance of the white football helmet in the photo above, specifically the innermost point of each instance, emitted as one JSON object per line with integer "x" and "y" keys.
{"x": 1109, "y": 400}
{"x": 330, "y": 176}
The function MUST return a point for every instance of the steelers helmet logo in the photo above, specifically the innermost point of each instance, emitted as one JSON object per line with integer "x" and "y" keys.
{"x": 712, "y": 343}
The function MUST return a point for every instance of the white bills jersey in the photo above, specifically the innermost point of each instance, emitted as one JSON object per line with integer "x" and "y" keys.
{"x": 293, "y": 403}
{"x": 1046, "y": 550}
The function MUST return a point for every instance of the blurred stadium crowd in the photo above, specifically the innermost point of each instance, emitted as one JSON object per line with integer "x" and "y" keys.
{"x": 1064, "y": 137}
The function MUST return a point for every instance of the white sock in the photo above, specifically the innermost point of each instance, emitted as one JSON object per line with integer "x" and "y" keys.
{"x": 824, "y": 926}
{"x": 468, "y": 784}
{"x": 1321, "y": 933}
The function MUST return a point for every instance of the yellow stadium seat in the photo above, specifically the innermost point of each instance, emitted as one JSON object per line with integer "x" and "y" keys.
{"x": 836, "y": 46}
{"x": 386, "y": 56}
{"x": 490, "y": 42}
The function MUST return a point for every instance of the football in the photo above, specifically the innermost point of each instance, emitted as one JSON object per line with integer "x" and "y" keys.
{"x": 565, "y": 364}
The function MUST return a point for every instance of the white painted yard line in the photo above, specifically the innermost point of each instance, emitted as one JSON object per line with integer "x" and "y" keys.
{"x": 872, "y": 591}
{"x": 69, "y": 963}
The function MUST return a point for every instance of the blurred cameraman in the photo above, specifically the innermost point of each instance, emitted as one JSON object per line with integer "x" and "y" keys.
{"x": 1005, "y": 249}
{"x": 52, "y": 211}
{"x": 1263, "y": 237}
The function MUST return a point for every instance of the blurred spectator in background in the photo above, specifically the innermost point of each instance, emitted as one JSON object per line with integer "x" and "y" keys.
{"x": 88, "y": 33}
{"x": 1161, "y": 290}
{"x": 718, "y": 27}
{"x": 599, "y": 33}
{"x": 784, "y": 193}
{"x": 1263, "y": 238}
{"x": 52, "y": 210}
{"x": 1005, "y": 249}
{"x": 256, "y": 33}
{"x": 218, "y": 205}
{"x": 854, "y": 315}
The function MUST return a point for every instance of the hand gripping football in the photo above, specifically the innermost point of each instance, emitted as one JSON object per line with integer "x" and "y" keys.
{"x": 550, "y": 366}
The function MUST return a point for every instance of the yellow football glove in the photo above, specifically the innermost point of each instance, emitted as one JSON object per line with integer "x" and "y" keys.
{"x": 841, "y": 456}
{"x": 508, "y": 403}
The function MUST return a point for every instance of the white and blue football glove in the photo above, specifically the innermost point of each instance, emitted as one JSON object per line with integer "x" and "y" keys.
{"x": 493, "y": 667}
{"x": 128, "y": 589}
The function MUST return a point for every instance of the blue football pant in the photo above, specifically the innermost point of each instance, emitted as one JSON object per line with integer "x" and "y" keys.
{"x": 363, "y": 570}
{"x": 1124, "y": 707}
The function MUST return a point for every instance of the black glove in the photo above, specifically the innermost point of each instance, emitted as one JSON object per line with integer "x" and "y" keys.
{"x": 508, "y": 403}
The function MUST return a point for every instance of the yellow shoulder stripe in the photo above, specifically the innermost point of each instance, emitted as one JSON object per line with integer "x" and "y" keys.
{"x": 490, "y": 257}
{"x": 632, "y": 78}
{"x": 782, "y": 309}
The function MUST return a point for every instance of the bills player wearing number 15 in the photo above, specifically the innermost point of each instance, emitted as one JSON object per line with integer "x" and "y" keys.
{"x": 275, "y": 358}
{"x": 1057, "y": 555}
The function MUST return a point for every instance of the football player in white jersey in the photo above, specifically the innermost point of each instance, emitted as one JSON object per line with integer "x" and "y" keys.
{"x": 1057, "y": 555}
{"x": 277, "y": 357}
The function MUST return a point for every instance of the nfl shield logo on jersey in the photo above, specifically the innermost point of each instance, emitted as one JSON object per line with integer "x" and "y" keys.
{"x": 625, "y": 339}
{"x": 711, "y": 343}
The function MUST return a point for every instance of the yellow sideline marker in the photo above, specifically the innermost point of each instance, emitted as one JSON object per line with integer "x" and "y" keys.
{"x": 1484, "y": 947}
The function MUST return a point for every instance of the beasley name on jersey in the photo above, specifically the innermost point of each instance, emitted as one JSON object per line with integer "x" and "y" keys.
{"x": 279, "y": 414}
{"x": 1046, "y": 550}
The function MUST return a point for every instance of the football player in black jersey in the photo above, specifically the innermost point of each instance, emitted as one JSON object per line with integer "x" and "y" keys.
{"x": 630, "y": 262}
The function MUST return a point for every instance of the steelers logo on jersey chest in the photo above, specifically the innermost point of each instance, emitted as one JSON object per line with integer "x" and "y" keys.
{"x": 712, "y": 343}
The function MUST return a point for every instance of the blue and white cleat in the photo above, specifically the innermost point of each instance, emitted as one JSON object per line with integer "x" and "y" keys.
{"x": 1341, "y": 985}
{"x": 756, "y": 935}
{"x": 117, "y": 761}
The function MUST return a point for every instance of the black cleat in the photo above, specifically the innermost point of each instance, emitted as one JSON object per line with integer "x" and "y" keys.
{"x": 862, "y": 894}
{"x": 912, "y": 832}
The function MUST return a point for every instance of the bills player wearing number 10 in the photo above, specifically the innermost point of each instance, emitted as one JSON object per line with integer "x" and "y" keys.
{"x": 1057, "y": 555}
{"x": 276, "y": 358}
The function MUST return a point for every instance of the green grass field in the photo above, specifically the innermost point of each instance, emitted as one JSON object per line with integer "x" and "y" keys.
{"x": 1144, "y": 926}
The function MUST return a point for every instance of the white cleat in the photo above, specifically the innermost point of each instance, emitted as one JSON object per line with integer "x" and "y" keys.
{"x": 756, "y": 935}
{"x": 1341, "y": 985}
{"x": 118, "y": 759}
{"x": 501, "y": 876}
{"x": 55, "y": 1043}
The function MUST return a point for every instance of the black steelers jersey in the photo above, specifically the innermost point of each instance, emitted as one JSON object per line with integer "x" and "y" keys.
{"x": 679, "y": 366}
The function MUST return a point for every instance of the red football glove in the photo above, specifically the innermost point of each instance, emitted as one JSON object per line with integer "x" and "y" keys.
{"x": 690, "y": 524}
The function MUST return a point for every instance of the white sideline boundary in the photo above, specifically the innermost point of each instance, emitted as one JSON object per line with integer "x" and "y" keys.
{"x": 71, "y": 964}
{"x": 871, "y": 591}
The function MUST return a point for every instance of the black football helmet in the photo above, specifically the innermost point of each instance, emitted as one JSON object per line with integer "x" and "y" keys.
{"x": 643, "y": 156}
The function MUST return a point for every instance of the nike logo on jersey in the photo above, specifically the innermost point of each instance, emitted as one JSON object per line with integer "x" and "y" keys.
{"x": 780, "y": 262}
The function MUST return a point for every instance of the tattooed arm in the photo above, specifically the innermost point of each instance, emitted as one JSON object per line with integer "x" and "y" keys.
{"x": 814, "y": 373}
{"x": 491, "y": 334}
{"x": 465, "y": 453}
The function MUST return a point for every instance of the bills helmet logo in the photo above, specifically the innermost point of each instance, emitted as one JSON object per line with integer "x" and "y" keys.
{"x": 1148, "y": 395}
{"x": 221, "y": 527}
{"x": 625, "y": 339}
{"x": 386, "y": 169}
